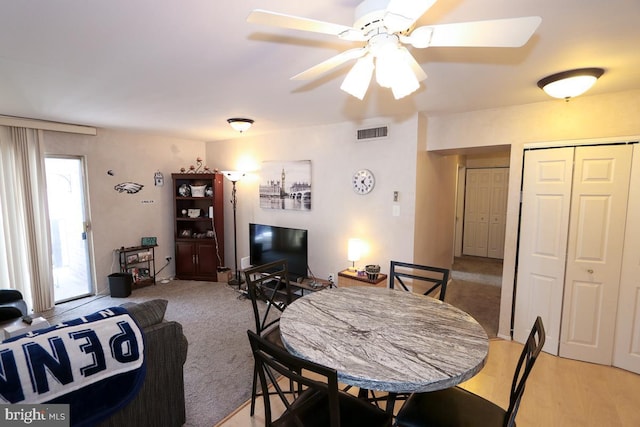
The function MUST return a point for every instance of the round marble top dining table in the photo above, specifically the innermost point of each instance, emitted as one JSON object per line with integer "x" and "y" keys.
{"x": 385, "y": 339}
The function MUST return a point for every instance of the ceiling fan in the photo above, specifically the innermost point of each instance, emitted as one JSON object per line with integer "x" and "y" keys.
{"x": 385, "y": 26}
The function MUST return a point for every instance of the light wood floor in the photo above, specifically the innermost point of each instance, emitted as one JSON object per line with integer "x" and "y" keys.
{"x": 560, "y": 392}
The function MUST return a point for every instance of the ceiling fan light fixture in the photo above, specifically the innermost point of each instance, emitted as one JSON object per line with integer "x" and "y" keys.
{"x": 405, "y": 86}
{"x": 240, "y": 124}
{"x": 389, "y": 63}
{"x": 394, "y": 71}
{"x": 571, "y": 83}
{"x": 358, "y": 79}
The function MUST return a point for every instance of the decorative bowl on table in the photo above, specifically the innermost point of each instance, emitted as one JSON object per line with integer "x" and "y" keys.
{"x": 372, "y": 271}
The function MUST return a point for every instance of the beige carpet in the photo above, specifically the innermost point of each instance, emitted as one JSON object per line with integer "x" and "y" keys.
{"x": 481, "y": 301}
{"x": 475, "y": 288}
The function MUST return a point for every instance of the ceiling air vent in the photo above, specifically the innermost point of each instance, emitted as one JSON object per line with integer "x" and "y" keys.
{"x": 373, "y": 133}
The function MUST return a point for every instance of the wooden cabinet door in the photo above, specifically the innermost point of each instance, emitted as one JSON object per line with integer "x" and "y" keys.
{"x": 185, "y": 259}
{"x": 206, "y": 257}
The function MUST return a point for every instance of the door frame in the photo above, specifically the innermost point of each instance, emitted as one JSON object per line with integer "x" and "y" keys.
{"x": 89, "y": 235}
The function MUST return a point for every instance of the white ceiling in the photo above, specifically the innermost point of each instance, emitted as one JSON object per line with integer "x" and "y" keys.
{"x": 182, "y": 67}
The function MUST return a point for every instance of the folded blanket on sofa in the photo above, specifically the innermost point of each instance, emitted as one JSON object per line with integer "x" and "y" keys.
{"x": 94, "y": 363}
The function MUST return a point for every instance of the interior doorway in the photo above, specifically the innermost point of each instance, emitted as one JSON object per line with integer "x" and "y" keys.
{"x": 69, "y": 228}
{"x": 479, "y": 278}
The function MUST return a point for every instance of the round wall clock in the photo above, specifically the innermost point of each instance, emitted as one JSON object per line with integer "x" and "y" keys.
{"x": 363, "y": 181}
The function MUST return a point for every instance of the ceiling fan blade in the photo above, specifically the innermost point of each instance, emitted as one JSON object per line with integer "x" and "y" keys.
{"x": 511, "y": 32}
{"x": 402, "y": 14}
{"x": 259, "y": 16}
{"x": 330, "y": 63}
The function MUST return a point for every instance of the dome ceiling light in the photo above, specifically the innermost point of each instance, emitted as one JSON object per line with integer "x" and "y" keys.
{"x": 240, "y": 124}
{"x": 571, "y": 83}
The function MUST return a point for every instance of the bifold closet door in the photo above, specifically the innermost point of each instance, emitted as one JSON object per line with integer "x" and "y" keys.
{"x": 477, "y": 201}
{"x": 594, "y": 256}
{"x": 626, "y": 353}
{"x": 498, "y": 213}
{"x": 485, "y": 212}
{"x": 546, "y": 199}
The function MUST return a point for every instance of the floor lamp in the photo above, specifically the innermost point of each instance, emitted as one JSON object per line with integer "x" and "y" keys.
{"x": 234, "y": 176}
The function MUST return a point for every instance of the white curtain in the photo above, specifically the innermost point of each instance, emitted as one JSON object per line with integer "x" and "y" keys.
{"x": 25, "y": 249}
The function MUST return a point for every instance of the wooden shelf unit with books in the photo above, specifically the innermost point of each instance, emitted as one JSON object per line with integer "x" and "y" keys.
{"x": 198, "y": 225}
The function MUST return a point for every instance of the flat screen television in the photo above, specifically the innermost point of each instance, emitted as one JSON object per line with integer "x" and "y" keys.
{"x": 269, "y": 243}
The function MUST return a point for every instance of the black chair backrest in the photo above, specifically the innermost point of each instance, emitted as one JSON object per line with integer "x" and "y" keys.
{"x": 9, "y": 295}
{"x": 268, "y": 283}
{"x": 529, "y": 355}
{"x": 272, "y": 361}
{"x": 436, "y": 277}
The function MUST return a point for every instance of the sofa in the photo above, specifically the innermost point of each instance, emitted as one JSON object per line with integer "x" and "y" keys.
{"x": 160, "y": 401}
{"x": 92, "y": 363}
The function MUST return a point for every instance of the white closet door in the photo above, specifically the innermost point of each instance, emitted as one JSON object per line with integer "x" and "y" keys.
{"x": 543, "y": 241}
{"x": 626, "y": 352}
{"x": 498, "y": 213}
{"x": 594, "y": 258}
{"x": 476, "y": 212}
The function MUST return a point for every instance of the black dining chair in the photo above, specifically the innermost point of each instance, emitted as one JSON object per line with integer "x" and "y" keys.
{"x": 268, "y": 288}
{"x": 456, "y": 407}
{"x": 436, "y": 278}
{"x": 320, "y": 403}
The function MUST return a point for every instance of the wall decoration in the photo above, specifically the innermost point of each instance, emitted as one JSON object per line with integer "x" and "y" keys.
{"x": 128, "y": 187}
{"x": 286, "y": 185}
{"x": 158, "y": 179}
{"x": 198, "y": 168}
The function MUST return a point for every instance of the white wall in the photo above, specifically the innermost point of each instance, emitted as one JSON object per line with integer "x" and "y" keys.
{"x": 587, "y": 117}
{"x": 436, "y": 179}
{"x": 121, "y": 219}
{"x": 337, "y": 213}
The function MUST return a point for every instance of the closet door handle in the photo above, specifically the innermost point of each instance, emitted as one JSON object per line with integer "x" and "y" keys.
{"x": 590, "y": 271}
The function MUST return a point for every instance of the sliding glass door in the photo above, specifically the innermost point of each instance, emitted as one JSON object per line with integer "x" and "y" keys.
{"x": 70, "y": 228}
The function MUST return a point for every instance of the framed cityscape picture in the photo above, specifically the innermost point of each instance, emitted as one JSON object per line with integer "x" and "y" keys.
{"x": 286, "y": 185}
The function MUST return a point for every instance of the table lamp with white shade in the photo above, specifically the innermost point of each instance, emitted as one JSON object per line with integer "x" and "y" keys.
{"x": 354, "y": 252}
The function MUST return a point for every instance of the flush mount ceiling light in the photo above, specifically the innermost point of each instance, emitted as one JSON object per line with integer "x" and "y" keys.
{"x": 240, "y": 124}
{"x": 571, "y": 83}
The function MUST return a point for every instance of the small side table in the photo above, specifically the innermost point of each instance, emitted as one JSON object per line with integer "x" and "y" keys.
{"x": 347, "y": 278}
